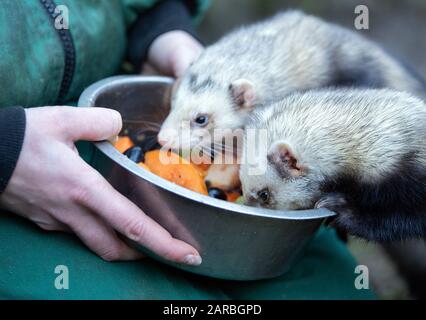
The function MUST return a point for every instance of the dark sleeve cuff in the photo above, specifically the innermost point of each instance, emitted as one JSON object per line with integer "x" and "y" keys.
{"x": 12, "y": 131}
{"x": 166, "y": 16}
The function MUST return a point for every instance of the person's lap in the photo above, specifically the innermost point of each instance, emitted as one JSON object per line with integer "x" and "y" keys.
{"x": 29, "y": 256}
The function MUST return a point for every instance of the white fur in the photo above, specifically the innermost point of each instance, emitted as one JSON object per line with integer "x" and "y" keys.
{"x": 362, "y": 132}
{"x": 289, "y": 52}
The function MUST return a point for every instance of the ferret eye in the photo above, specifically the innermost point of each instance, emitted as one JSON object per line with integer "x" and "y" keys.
{"x": 201, "y": 120}
{"x": 264, "y": 195}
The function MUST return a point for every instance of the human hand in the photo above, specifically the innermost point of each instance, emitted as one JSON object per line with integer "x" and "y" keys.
{"x": 56, "y": 189}
{"x": 172, "y": 52}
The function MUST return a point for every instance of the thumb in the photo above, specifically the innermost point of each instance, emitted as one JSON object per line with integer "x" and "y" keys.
{"x": 179, "y": 65}
{"x": 92, "y": 124}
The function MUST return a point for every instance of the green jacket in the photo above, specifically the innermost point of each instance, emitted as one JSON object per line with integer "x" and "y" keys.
{"x": 32, "y": 55}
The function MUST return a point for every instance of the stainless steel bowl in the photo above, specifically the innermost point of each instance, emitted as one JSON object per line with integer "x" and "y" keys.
{"x": 236, "y": 242}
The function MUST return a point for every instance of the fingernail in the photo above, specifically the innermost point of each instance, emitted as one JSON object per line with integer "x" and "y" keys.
{"x": 192, "y": 260}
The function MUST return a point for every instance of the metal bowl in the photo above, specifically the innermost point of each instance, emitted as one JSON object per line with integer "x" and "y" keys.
{"x": 236, "y": 242}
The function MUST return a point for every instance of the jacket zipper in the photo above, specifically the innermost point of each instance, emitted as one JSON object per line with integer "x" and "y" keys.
{"x": 69, "y": 51}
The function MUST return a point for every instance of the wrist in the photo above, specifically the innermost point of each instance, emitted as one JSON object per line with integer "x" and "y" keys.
{"x": 12, "y": 131}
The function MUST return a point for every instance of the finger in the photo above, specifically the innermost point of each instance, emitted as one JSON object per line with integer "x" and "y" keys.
{"x": 180, "y": 66}
{"x": 52, "y": 226}
{"x": 129, "y": 220}
{"x": 43, "y": 219}
{"x": 183, "y": 58}
{"x": 100, "y": 238}
{"x": 130, "y": 244}
{"x": 93, "y": 124}
{"x": 149, "y": 69}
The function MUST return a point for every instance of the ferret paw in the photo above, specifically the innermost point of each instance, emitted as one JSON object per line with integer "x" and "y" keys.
{"x": 335, "y": 202}
{"x": 338, "y": 204}
{"x": 332, "y": 201}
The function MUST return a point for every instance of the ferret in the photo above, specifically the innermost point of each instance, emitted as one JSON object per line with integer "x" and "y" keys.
{"x": 360, "y": 153}
{"x": 257, "y": 64}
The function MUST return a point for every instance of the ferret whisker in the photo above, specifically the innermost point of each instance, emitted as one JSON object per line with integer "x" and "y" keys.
{"x": 227, "y": 148}
{"x": 210, "y": 151}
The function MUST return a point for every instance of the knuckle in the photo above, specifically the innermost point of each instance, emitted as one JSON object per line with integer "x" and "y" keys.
{"x": 46, "y": 221}
{"x": 46, "y": 227}
{"x": 111, "y": 255}
{"x": 80, "y": 194}
{"x": 60, "y": 118}
{"x": 81, "y": 190}
{"x": 49, "y": 226}
{"x": 135, "y": 230}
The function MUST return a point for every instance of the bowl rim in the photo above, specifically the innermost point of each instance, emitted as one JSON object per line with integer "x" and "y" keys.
{"x": 87, "y": 99}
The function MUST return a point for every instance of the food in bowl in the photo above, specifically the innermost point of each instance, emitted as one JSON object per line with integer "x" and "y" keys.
{"x": 142, "y": 148}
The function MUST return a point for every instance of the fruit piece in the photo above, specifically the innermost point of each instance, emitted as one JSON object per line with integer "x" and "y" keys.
{"x": 123, "y": 143}
{"x": 143, "y": 165}
{"x": 240, "y": 200}
{"x": 135, "y": 154}
{"x": 200, "y": 169}
{"x": 203, "y": 167}
{"x": 223, "y": 176}
{"x": 232, "y": 196}
{"x": 176, "y": 169}
{"x": 217, "y": 193}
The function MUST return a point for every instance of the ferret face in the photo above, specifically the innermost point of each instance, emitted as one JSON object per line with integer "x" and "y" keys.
{"x": 286, "y": 184}
{"x": 204, "y": 112}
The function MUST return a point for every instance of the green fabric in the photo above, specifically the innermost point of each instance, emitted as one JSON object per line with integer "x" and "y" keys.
{"x": 32, "y": 57}
{"x": 28, "y": 257}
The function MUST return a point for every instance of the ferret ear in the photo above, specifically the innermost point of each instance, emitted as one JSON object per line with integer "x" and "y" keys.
{"x": 242, "y": 92}
{"x": 287, "y": 164}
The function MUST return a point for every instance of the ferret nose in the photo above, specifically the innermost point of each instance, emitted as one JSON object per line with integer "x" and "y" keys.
{"x": 164, "y": 138}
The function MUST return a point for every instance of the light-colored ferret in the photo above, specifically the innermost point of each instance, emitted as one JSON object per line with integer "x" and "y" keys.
{"x": 268, "y": 60}
{"x": 360, "y": 153}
